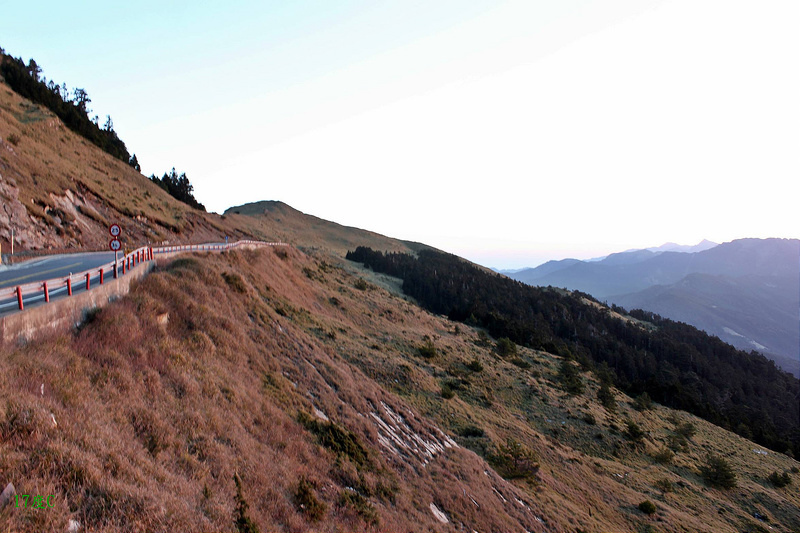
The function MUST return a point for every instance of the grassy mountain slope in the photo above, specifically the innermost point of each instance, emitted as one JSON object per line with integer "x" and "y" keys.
{"x": 63, "y": 192}
{"x": 204, "y": 372}
{"x": 216, "y": 365}
{"x": 308, "y": 231}
{"x": 676, "y": 364}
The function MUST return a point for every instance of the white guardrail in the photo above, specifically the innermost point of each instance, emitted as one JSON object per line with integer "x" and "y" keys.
{"x": 38, "y": 290}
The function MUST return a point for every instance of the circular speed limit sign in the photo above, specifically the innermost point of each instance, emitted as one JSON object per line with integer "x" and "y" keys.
{"x": 114, "y": 230}
{"x": 114, "y": 244}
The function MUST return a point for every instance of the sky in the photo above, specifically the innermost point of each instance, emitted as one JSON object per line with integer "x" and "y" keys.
{"x": 508, "y": 132}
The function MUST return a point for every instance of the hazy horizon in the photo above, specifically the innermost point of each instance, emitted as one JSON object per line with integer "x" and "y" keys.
{"x": 535, "y": 256}
{"x": 508, "y": 132}
{"x": 531, "y": 258}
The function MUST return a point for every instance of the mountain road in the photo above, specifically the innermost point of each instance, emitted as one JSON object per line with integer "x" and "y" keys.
{"x": 50, "y": 267}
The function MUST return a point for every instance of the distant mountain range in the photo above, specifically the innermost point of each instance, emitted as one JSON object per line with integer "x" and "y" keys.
{"x": 746, "y": 292}
{"x": 702, "y": 246}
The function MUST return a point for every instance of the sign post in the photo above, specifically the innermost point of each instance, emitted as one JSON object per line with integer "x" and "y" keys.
{"x": 114, "y": 243}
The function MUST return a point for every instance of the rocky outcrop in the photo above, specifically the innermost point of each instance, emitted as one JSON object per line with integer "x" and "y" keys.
{"x": 7, "y": 495}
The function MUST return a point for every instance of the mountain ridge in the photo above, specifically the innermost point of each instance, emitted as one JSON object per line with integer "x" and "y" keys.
{"x": 633, "y": 279}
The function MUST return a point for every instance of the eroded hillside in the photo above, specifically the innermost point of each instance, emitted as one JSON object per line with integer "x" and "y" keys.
{"x": 341, "y": 406}
{"x": 59, "y": 191}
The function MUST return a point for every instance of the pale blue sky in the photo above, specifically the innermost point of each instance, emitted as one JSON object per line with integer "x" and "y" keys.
{"x": 509, "y": 132}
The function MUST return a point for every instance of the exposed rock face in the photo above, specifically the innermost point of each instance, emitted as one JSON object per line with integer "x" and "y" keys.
{"x": 440, "y": 516}
{"x": 68, "y": 217}
{"x": 13, "y": 215}
{"x": 8, "y": 494}
{"x": 33, "y": 233}
{"x": 395, "y": 434}
{"x": 163, "y": 319}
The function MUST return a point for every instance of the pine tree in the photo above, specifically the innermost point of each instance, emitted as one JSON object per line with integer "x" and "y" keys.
{"x": 244, "y": 524}
{"x": 570, "y": 377}
{"x": 606, "y": 397}
{"x": 134, "y": 162}
{"x": 717, "y": 472}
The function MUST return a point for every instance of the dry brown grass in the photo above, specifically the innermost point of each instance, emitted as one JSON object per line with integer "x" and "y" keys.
{"x": 64, "y": 191}
{"x": 154, "y": 419}
{"x": 278, "y": 220}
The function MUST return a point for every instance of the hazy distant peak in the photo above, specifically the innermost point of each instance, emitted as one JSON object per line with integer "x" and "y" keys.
{"x": 507, "y": 271}
{"x": 703, "y": 245}
{"x": 629, "y": 257}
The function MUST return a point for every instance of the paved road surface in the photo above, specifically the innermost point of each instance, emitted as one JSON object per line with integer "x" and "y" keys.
{"x": 54, "y": 266}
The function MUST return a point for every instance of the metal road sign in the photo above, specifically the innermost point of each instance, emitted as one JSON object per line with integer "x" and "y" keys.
{"x": 114, "y": 230}
{"x": 114, "y": 244}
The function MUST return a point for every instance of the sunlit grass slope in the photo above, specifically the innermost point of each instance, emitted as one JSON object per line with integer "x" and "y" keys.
{"x": 341, "y": 406}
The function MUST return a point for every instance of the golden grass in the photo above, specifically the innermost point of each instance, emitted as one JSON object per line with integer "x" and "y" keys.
{"x": 154, "y": 420}
{"x": 278, "y": 220}
{"x": 201, "y": 372}
{"x": 64, "y": 191}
